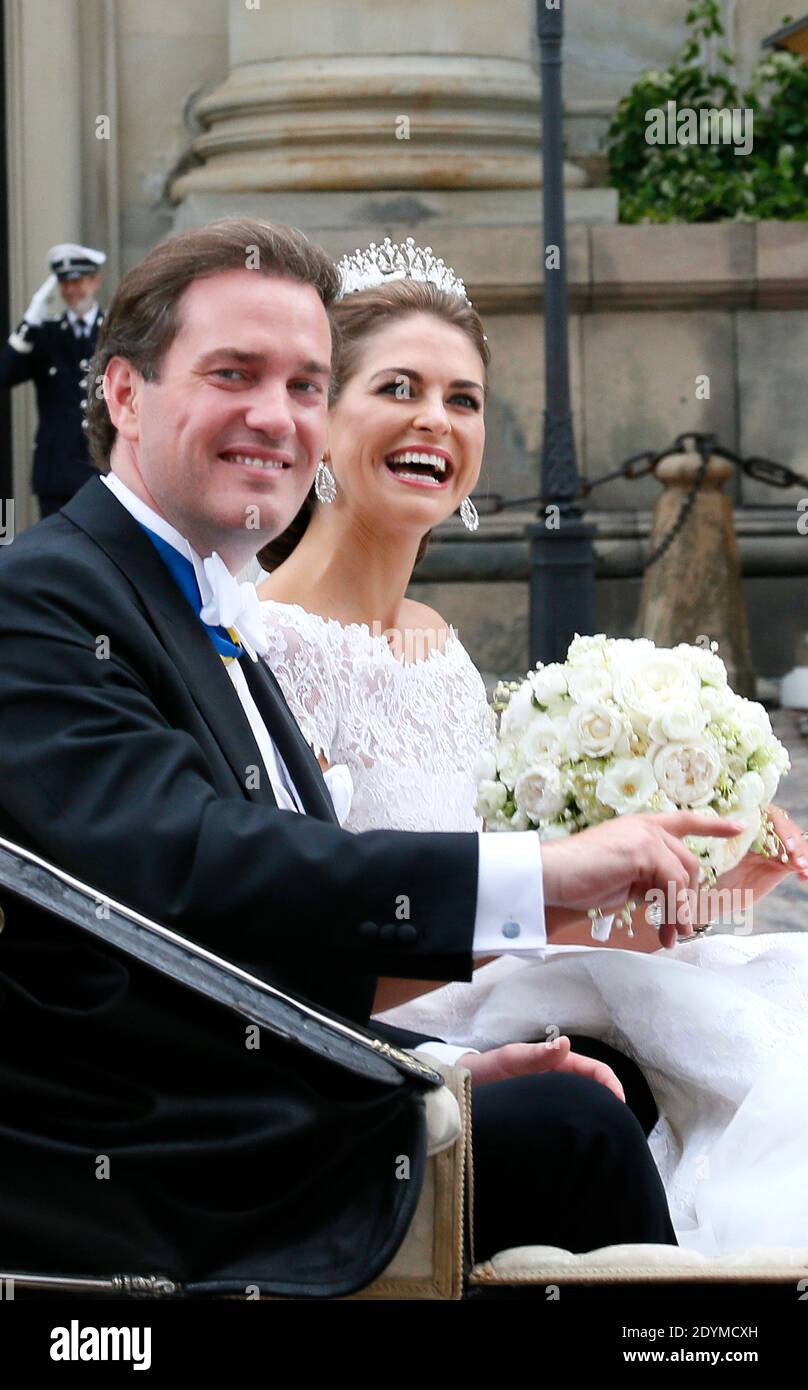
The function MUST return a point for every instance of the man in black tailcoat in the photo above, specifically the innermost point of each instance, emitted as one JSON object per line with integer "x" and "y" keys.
{"x": 138, "y": 1132}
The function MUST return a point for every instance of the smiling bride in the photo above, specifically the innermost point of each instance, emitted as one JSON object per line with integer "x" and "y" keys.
{"x": 709, "y": 1038}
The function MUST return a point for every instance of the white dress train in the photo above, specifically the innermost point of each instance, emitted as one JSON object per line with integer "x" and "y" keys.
{"x": 718, "y": 1024}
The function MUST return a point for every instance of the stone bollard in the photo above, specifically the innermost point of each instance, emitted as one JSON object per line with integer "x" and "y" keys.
{"x": 694, "y": 590}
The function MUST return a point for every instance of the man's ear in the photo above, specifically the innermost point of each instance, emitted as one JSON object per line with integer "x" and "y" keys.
{"x": 122, "y": 387}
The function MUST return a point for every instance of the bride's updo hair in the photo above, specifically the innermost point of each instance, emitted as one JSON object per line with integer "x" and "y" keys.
{"x": 354, "y": 320}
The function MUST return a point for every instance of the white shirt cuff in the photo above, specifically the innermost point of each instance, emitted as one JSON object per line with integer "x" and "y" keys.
{"x": 444, "y": 1052}
{"x": 510, "y": 896}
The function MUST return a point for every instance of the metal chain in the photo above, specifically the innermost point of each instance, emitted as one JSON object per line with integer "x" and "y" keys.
{"x": 763, "y": 470}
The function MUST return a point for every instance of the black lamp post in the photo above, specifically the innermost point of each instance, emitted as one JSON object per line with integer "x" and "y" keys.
{"x": 562, "y": 561}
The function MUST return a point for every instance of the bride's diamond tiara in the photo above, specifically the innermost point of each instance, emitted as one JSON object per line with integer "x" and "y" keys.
{"x": 402, "y": 260}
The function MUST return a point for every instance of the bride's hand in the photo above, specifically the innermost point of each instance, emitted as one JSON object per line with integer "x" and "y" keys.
{"x": 759, "y": 875}
{"x": 527, "y": 1059}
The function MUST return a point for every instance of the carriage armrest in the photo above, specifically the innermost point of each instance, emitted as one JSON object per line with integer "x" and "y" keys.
{"x": 640, "y": 1264}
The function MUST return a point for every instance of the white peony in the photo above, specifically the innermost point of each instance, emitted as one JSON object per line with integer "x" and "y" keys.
{"x": 596, "y": 730}
{"x": 627, "y": 785}
{"x": 539, "y": 792}
{"x": 687, "y": 772}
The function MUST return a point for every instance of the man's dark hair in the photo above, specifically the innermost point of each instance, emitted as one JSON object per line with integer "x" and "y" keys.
{"x": 144, "y": 317}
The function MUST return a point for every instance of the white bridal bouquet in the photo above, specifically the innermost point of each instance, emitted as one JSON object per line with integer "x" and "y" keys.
{"x": 625, "y": 726}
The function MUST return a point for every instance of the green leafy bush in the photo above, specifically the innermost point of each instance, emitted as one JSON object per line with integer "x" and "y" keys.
{"x": 706, "y": 182}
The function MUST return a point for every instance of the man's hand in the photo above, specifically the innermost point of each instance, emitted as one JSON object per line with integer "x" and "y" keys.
{"x": 622, "y": 860}
{"x": 527, "y": 1059}
{"x": 38, "y": 308}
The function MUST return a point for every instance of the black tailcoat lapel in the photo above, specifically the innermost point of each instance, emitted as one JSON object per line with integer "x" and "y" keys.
{"x": 304, "y": 768}
{"x": 99, "y": 513}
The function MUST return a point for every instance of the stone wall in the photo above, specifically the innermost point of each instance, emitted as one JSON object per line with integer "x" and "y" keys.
{"x": 202, "y": 125}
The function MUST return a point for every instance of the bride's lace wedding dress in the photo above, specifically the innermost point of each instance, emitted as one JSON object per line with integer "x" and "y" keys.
{"x": 718, "y": 1024}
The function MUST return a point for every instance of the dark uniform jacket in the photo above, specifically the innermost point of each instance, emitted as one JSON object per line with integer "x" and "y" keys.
{"x": 58, "y": 366}
{"x": 123, "y": 761}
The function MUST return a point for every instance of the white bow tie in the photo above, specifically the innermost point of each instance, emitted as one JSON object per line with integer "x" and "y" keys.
{"x": 226, "y": 603}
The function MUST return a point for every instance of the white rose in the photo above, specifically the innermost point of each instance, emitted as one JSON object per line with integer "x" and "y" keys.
{"x": 518, "y": 712}
{"x": 770, "y": 778}
{"x": 679, "y": 721}
{"x": 755, "y": 713}
{"x": 486, "y": 767}
{"x": 726, "y": 854}
{"x": 650, "y": 681}
{"x": 509, "y": 761}
{"x": 708, "y": 665}
{"x": 555, "y": 831}
{"x": 733, "y": 851}
{"x": 750, "y": 738}
{"x": 544, "y": 739}
{"x": 621, "y": 649}
{"x": 687, "y": 772}
{"x": 588, "y": 684}
{"x": 596, "y": 730}
{"x": 627, "y": 785}
{"x": 585, "y": 651}
{"x": 549, "y": 683}
{"x": 750, "y": 790}
{"x": 539, "y": 792}
{"x": 718, "y": 701}
{"x": 491, "y": 797}
{"x": 735, "y": 765}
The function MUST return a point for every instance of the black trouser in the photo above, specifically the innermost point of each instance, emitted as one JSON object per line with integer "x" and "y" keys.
{"x": 50, "y": 502}
{"x": 559, "y": 1160}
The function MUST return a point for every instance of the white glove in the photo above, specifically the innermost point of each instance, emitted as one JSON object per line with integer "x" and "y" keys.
{"x": 38, "y": 308}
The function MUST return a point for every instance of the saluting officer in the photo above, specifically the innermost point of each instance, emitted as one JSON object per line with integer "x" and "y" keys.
{"x": 55, "y": 354}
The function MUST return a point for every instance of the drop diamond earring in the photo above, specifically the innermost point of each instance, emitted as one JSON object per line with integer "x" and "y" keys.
{"x": 325, "y": 484}
{"x": 469, "y": 515}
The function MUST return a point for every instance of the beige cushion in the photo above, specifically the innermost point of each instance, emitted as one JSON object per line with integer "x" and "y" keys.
{"x": 613, "y": 1264}
{"x": 443, "y": 1121}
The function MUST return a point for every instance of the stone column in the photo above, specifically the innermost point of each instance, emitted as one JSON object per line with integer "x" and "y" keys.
{"x": 358, "y": 120}
{"x": 361, "y": 96}
{"x": 44, "y": 181}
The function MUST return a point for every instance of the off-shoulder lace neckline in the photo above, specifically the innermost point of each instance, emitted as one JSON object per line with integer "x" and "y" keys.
{"x": 378, "y": 639}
